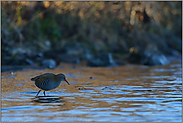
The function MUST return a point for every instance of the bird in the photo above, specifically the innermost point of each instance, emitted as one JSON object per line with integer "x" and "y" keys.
{"x": 48, "y": 81}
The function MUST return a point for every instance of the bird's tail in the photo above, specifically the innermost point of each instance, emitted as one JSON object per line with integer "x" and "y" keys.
{"x": 33, "y": 79}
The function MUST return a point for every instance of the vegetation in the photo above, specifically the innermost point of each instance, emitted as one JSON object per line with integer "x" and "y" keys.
{"x": 97, "y": 26}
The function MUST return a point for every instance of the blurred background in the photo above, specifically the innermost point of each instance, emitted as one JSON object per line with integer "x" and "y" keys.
{"x": 94, "y": 33}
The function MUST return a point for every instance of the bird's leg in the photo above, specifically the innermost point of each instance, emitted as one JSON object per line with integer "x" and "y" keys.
{"x": 38, "y": 93}
{"x": 44, "y": 93}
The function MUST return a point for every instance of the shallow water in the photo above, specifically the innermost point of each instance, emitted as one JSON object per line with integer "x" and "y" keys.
{"x": 127, "y": 93}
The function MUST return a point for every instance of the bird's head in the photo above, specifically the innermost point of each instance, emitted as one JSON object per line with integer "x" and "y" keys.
{"x": 63, "y": 78}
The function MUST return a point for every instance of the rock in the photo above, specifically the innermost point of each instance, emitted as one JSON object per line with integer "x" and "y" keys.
{"x": 6, "y": 60}
{"x": 135, "y": 56}
{"x": 154, "y": 56}
{"x": 101, "y": 59}
{"x": 87, "y": 55}
{"x": 151, "y": 55}
{"x": 111, "y": 61}
{"x": 96, "y": 63}
{"x": 29, "y": 61}
{"x": 76, "y": 50}
{"x": 50, "y": 63}
{"x": 68, "y": 58}
{"x": 120, "y": 63}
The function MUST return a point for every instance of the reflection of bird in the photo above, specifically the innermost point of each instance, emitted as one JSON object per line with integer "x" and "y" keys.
{"x": 48, "y": 81}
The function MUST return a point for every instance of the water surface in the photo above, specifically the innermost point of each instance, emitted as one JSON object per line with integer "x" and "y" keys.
{"x": 127, "y": 93}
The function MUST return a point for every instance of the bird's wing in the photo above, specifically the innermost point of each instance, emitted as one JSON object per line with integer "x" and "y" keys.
{"x": 40, "y": 81}
{"x": 40, "y": 77}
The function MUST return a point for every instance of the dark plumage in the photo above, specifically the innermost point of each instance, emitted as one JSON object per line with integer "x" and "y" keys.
{"x": 48, "y": 81}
